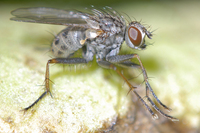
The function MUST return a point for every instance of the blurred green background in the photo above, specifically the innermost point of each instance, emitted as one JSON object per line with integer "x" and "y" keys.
{"x": 173, "y": 60}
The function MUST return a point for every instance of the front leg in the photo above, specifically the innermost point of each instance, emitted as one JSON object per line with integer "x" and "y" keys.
{"x": 108, "y": 65}
{"x": 122, "y": 59}
{"x": 51, "y": 61}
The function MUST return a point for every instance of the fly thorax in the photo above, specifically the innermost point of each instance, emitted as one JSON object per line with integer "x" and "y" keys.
{"x": 112, "y": 25}
{"x": 107, "y": 25}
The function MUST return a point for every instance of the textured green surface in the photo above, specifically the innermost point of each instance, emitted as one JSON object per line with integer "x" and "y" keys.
{"x": 85, "y": 99}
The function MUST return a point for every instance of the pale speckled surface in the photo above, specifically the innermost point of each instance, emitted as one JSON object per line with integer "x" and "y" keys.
{"x": 172, "y": 61}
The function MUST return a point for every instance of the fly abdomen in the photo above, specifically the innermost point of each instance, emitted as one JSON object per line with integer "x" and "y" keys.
{"x": 68, "y": 41}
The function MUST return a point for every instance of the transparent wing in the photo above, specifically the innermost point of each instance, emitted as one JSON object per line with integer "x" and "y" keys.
{"x": 50, "y": 16}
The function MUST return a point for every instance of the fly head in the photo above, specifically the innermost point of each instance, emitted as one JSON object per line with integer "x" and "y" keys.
{"x": 135, "y": 35}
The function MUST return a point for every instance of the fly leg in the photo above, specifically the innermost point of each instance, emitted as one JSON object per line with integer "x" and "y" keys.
{"x": 51, "y": 61}
{"x": 108, "y": 65}
{"x": 122, "y": 60}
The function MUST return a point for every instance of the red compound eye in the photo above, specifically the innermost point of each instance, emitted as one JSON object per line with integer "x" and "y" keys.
{"x": 135, "y": 35}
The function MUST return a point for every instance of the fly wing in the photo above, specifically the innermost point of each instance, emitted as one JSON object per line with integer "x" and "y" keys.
{"x": 50, "y": 16}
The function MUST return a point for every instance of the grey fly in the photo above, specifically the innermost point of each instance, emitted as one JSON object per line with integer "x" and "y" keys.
{"x": 99, "y": 32}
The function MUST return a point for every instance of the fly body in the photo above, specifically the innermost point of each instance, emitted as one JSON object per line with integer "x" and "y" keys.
{"x": 97, "y": 32}
{"x": 103, "y": 37}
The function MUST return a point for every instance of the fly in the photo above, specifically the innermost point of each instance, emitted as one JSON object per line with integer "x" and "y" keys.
{"x": 100, "y": 32}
